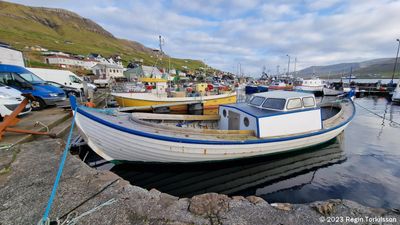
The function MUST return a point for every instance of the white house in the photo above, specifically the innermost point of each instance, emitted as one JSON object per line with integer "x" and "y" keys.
{"x": 99, "y": 58}
{"x": 68, "y": 62}
{"x": 106, "y": 71}
{"x": 11, "y": 56}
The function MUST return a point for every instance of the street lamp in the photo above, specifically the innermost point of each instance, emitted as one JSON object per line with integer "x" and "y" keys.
{"x": 288, "y": 64}
{"x": 395, "y": 63}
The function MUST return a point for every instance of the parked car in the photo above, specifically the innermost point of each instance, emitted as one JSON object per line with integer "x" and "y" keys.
{"x": 64, "y": 77}
{"x": 25, "y": 81}
{"x": 10, "y": 98}
{"x": 68, "y": 90}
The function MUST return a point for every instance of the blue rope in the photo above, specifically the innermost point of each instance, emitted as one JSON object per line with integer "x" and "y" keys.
{"x": 60, "y": 169}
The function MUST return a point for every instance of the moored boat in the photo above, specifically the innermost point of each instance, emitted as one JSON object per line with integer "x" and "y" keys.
{"x": 177, "y": 101}
{"x": 271, "y": 123}
{"x": 280, "y": 85}
{"x": 331, "y": 91}
{"x": 313, "y": 85}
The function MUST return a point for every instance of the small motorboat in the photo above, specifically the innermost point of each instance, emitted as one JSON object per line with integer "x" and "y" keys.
{"x": 176, "y": 101}
{"x": 331, "y": 92}
{"x": 280, "y": 85}
{"x": 270, "y": 123}
{"x": 313, "y": 85}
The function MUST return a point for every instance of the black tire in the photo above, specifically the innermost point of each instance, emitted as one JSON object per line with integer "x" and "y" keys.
{"x": 38, "y": 104}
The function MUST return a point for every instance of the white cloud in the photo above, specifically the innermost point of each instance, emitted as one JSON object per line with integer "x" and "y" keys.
{"x": 253, "y": 33}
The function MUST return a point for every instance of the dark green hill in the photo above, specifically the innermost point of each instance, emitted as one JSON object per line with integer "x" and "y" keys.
{"x": 59, "y": 29}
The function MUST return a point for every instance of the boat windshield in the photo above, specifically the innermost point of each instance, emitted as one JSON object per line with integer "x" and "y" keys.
{"x": 274, "y": 103}
{"x": 32, "y": 78}
{"x": 257, "y": 100}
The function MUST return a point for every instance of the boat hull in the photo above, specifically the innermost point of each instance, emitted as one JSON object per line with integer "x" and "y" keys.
{"x": 332, "y": 92}
{"x": 284, "y": 88}
{"x": 309, "y": 89}
{"x": 210, "y": 103}
{"x": 117, "y": 143}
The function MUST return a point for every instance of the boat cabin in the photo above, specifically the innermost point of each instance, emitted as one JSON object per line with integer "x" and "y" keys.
{"x": 272, "y": 114}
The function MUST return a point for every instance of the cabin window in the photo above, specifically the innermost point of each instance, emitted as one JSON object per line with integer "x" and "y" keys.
{"x": 274, "y": 103}
{"x": 224, "y": 113}
{"x": 308, "y": 102}
{"x": 294, "y": 103}
{"x": 246, "y": 121}
{"x": 257, "y": 100}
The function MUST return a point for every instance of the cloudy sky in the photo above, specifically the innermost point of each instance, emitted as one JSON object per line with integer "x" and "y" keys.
{"x": 254, "y": 33}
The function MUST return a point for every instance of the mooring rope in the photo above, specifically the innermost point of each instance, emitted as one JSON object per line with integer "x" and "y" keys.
{"x": 91, "y": 197}
{"x": 45, "y": 219}
{"x": 73, "y": 221}
{"x": 376, "y": 114}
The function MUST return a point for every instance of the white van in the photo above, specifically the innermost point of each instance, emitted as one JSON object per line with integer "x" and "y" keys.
{"x": 64, "y": 77}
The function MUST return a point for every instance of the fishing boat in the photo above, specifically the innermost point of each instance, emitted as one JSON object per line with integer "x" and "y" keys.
{"x": 176, "y": 101}
{"x": 270, "y": 123}
{"x": 313, "y": 85}
{"x": 280, "y": 85}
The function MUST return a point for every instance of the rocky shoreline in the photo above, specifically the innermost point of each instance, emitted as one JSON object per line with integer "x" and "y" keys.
{"x": 26, "y": 183}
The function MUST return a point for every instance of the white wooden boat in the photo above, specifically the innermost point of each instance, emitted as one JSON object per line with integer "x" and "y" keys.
{"x": 271, "y": 123}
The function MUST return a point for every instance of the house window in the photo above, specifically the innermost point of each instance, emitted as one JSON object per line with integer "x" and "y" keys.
{"x": 294, "y": 103}
{"x": 308, "y": 102}
{"x": 224, "y": 113}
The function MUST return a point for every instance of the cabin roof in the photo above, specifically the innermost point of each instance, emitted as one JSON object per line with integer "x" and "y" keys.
{"x": 284, "y": 94}
{"x": 251, "y": 110}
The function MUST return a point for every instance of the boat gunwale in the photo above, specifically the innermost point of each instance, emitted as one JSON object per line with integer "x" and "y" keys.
{"x": 156, "y": 98}
{"x": 212, "y": 142}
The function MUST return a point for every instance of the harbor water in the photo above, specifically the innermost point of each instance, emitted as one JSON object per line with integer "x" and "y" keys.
{"x": 362, "y": 164}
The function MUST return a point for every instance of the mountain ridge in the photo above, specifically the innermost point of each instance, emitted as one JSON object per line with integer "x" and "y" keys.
{"x": 64, "y": 30}
{"x": 374, "y": 68}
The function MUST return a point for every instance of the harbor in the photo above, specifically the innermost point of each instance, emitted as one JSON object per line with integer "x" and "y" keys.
{"x": 261, "y": 186}
{"x": 196, "y": 116}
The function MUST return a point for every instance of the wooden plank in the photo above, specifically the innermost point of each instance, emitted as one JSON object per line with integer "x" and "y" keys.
{"x": 138, "y": 108}
{"x": 158, "y": 116}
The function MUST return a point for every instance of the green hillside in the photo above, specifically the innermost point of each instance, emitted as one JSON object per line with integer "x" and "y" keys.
{"x": 59, "y": 29}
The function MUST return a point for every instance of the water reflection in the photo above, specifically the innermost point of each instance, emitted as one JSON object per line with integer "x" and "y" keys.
{"x": 251, "y": 176}
{"x": 362, "y": 166}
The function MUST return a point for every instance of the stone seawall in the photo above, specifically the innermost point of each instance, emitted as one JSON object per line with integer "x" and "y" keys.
{"x": 26, "y": 185}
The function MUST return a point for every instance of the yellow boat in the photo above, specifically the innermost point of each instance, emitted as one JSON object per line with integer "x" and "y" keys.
{"x": 210, "y": 103}
{"x": 158, "y": 96}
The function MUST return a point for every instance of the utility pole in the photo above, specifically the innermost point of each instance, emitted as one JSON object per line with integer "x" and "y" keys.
{"x": 160, "y": 40}
{"x": 277, "y": 70}
{"x": 240, "y": 69}
{"x": 395, "y": 63}
{"x": 288, "y": 64}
